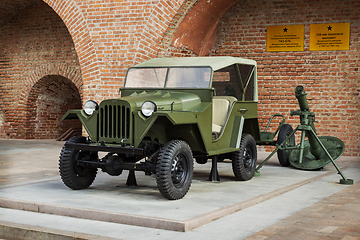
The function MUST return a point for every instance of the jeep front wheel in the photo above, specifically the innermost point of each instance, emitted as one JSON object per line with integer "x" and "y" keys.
{"x": 72, "y": 174}
{"x": 174, "y": 169}
{"x": 244, "y": 160}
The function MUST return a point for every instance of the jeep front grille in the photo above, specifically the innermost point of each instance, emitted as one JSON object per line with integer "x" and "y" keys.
{"x": 114, "y": 122}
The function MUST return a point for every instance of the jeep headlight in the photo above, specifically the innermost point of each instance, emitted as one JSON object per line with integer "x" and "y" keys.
{"x": 148, "y": 108}
{"x": 90, "y": 106}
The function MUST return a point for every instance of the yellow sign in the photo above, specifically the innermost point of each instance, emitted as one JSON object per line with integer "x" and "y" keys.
{"x": 285, "y": 38}
{"x": 330, "y": 36}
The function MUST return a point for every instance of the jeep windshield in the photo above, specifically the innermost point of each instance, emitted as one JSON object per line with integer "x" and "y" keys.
{"x": 173, "y": 77}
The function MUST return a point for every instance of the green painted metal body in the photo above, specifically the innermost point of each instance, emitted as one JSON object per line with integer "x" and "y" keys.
{"x": 182, "y": 113}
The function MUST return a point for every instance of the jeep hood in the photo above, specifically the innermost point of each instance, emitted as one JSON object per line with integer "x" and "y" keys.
{"x": 164, "y": 100}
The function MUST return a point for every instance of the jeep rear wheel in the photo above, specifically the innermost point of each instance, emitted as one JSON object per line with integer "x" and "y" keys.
{"x": 174, "y": 169}
{"x": 244, "y": 160}
{"x": 72, "y": 174}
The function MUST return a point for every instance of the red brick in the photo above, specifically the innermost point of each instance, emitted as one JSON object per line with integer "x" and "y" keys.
{"x": 94, "y": 42}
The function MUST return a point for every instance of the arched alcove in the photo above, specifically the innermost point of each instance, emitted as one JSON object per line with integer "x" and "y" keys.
{"x": 34, "y": 42}
{"x": 48, "y": 101}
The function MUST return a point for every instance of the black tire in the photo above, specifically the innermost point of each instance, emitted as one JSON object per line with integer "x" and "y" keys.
{"x": 74, "y": 176}
{"x": 284, "y": 132}
{"x": 174, "y": 169}
{"x": 244, "y": 160}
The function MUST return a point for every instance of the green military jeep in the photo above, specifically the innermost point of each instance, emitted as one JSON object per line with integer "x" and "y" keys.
{"x": 171, "y": 111}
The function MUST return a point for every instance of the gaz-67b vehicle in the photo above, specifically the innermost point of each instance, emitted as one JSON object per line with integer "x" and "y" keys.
{"x": 171, "y": 111}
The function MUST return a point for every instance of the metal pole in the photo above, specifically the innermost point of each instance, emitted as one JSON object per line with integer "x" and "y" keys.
{"x": 214, "y": 175}
{"x": 301, "y": 153}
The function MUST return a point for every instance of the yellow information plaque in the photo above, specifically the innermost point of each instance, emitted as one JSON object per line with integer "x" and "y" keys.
{"x": 285, "y": 38}
{"x": 329, "y": 36}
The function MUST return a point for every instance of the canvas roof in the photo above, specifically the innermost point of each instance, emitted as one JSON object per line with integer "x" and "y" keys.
{"x": 215, "y": 62}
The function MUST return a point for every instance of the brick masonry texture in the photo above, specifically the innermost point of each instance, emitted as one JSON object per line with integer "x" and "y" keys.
{"x": 67, "y": 52}
{"x": 331, "y": 78}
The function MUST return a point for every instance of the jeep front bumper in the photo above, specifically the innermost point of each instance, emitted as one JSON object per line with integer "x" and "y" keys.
{"x": 95, "y": 147}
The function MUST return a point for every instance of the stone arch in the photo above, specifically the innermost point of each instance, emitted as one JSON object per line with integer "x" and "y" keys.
{"x": 161, "y": 21}
{"x": 67, "y": 76}
{"x": 165, "y": 46}
{"x": 35, "y": 42}
{"x": 47, "y": 101}
{"x": 78, "y": 29}
{"x": 193, "y": 30}
{"x": 51, "y": 69}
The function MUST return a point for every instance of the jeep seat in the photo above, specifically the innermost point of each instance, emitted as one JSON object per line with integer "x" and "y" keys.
{"x": 221, "y": 106}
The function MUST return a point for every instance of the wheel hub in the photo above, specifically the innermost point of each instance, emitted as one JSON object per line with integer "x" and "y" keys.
{"x": 248, "y": 159}
{"x": 80, "y": 170}
{"x": 177, "y": 170}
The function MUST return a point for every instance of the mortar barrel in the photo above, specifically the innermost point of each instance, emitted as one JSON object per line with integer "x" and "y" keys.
{"x": 300, "y": 94}
{"x": 308, "y": 119}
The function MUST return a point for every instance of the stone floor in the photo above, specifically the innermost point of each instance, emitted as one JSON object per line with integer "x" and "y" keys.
{"x": 335, "y": 217}
{"x": 320, "y": 209}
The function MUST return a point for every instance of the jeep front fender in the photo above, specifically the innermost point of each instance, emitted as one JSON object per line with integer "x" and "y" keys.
{"x": 143, "y": 125}
{"x": 89, "y": 122}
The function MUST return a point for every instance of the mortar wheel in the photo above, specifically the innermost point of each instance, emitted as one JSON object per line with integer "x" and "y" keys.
{"x": 284, "y": 132}
{"x": 174, "y": 169}
{"x": 333, "y": 145}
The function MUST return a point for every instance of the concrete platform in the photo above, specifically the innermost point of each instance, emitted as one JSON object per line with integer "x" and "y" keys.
{"x": 33, "y": 196}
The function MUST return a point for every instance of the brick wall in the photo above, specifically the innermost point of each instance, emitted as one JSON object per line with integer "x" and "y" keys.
{"x": 33, "y": 44}
{"x": 120, "y": 34}
{"x": 92, "y": 43}
{"x": 331, "y": 78}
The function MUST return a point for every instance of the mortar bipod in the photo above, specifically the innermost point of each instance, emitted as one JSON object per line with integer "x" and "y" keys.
{"x": 314, "y": 153}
